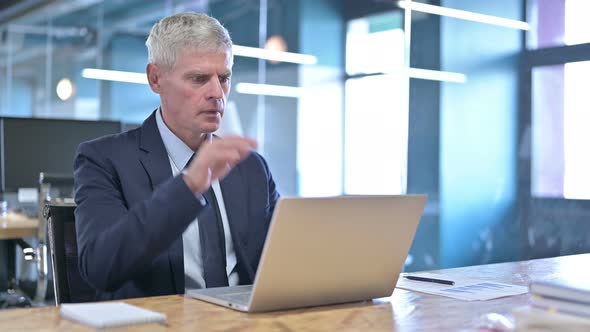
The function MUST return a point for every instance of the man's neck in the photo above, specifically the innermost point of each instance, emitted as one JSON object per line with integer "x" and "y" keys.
{"x": 192, "y": 139}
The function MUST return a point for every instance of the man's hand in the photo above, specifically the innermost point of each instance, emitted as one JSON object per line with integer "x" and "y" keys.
{"x": 215, "y": 159}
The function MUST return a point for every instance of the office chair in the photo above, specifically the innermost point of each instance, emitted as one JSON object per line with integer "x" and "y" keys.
{"x": 69, "y": 286}
{"x": 53, "y": 187}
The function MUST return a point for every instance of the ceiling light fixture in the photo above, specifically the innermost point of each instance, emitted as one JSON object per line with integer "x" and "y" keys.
{"x": 275, "y": 43}
{"x": 272, "y": 55}
{"x": 115, "y": 75}
{"x": 437, "y": 75}
{"x": 269, "y": 90}
{"x": 64, "y": 89}
{"x": 462, "y": 14}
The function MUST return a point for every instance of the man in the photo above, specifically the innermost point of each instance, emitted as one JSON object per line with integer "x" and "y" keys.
{"x": 145, "y": 219}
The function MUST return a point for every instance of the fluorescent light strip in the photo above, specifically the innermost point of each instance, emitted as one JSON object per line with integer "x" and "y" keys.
{"x": 269, "y": 90}
{"x": 464, "y": 15}
{"x": 432, "y": 75}
{"x": 115, "y": 75}
{"x": 298, "y": 92}
{"x": 437, "y": 75}
{"x": 260, "y": 53}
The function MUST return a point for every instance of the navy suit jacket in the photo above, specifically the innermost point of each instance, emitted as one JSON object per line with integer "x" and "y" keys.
{"x": 131, "y": 213}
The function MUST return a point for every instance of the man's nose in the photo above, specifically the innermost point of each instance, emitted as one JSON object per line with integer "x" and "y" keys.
{"x": 215, "y": 89}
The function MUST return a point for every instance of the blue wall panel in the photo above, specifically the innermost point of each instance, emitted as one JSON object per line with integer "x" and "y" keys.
{"x": 478, "y": 136}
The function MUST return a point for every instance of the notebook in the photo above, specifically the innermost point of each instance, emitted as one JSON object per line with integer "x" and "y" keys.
{"x": 110, "y": 314}
{"x": 529, "y": 318}
{"x": 331, "y": 250}
{"x": 557, "y": 305}
{"x": 567, "y": 290}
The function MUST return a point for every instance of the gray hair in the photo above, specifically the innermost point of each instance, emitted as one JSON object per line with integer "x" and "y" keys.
{"x": 175, "y": 32}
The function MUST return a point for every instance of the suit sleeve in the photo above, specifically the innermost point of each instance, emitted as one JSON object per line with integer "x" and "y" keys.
{"x": 273, "y": 194}
{"x": 116, "y": 242}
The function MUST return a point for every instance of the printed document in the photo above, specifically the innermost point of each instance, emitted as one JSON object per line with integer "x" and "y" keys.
{"x": 463, "y": 289}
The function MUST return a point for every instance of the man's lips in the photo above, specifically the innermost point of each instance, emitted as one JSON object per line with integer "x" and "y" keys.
{"x": 212, "y": 112}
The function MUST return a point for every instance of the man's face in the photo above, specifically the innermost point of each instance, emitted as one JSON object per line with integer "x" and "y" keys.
{"x": 194, "y": 91}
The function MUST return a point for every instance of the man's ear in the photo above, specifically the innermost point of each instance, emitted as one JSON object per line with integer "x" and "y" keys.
{"x": 154, "y": 76}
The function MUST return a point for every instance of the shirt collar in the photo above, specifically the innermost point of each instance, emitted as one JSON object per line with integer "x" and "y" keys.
{"x": 178, "y": 151}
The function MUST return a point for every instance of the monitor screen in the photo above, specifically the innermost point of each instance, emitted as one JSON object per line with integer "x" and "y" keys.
{"x": 30, "y": 146}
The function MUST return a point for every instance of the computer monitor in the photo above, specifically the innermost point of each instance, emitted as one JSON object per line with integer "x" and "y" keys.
{"x": 29, "y": 146}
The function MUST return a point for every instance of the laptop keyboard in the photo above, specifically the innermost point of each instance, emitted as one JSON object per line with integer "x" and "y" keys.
{"x": 239, "y": 298}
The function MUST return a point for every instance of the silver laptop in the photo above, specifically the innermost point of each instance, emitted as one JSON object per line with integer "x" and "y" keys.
{"x": 322, "y": 251}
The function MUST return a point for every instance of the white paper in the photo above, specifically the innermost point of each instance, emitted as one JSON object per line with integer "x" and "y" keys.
{"x": 464, "y": 288}
{"x": 109, "y": 314}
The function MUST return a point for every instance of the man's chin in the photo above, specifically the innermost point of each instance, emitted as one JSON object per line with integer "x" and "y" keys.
{"x": 211, "y": 128}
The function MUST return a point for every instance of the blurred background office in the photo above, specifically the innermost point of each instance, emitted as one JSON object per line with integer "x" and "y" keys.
{"x": 479, "y": 104}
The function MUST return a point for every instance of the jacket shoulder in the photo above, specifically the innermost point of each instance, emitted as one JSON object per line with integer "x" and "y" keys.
{"x": 257, "y": 160}
{"x": 112, "y": 143}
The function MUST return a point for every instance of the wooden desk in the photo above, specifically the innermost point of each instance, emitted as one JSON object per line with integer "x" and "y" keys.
{"x": 404, "y": 311}
{"x": 17, "y": 226}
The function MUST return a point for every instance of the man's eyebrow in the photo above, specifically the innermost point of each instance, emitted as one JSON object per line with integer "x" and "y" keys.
{"x": 201, "y": 74}
{"x": 195, "y": 73}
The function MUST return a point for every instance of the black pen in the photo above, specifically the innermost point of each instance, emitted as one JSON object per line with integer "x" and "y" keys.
{"x": 438, "y": 281}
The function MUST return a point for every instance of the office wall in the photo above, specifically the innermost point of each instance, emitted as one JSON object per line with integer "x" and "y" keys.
{"x": 125, "y": 101}
{"x": 423, "y": 141}
{"x": 19, "y": 104}
{"x": 478, "y": 137}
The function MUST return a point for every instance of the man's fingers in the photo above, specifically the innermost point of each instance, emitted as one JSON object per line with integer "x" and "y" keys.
{"x": 243, "y": 144}
{"x": 231, "y": 149}
{"x": 220, "y": 171}
{"x": 217, "y": 157}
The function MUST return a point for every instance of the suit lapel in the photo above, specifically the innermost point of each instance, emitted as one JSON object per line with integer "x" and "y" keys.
{"x": 157, "y": 166}
{"x": 154, "y": 157}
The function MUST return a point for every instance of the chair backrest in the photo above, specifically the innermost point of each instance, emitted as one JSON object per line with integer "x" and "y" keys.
{"x": 69, "y": 286}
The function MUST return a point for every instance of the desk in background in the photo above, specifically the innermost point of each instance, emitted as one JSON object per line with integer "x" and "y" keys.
{"x": 17, "y": 226}
{"x": 404, "y": 311}
{"x": 13, "y": 226}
